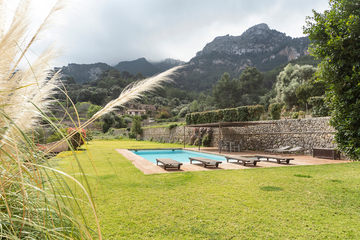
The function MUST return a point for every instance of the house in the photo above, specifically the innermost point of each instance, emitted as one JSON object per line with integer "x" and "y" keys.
{"x": 135, "y": 112}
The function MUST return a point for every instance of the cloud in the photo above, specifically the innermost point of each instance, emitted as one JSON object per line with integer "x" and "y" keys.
{"x": 111, "y": 31}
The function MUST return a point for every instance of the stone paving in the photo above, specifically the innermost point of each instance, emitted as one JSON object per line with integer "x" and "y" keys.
{"x": 148, "y": 167}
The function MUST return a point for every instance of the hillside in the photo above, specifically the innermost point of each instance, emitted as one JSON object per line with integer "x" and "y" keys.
{"x": 259, "y": 47}
{"x": 83, "y": 73}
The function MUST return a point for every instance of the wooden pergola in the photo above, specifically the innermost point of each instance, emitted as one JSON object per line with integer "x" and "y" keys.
{"x": 223, "y": 124}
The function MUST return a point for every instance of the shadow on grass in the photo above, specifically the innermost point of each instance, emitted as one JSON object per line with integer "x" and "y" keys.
{"x": 303, "y": 176}
{"x": 337, "y": 181}
{"x": 271, "y": 188}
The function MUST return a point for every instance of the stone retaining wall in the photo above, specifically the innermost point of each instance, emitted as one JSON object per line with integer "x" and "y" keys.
{"x": 306, "y": 133}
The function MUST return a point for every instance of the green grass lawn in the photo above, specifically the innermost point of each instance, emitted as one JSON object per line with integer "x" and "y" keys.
{"x": 299, "y": 202}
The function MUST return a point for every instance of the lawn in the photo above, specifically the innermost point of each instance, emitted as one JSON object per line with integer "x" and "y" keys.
{"x": 299, "y": 202}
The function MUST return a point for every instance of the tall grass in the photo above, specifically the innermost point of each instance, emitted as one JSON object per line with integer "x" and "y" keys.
{"x": 37, "y": 201}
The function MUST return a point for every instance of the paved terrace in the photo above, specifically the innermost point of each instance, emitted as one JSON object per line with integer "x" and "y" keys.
{"x": 148, "y": 167}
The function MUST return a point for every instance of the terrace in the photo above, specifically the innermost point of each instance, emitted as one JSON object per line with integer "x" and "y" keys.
{"x": 150, "y": 168}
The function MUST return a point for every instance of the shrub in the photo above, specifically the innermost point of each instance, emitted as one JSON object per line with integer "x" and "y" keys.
{"x": 319, "y": 109}
{"x": 171, "y": 126}
{"x": 301, "y": 114}
{"x": 295, "y": 115}
{"x": 244, "y": 113}
{"x": 275, "y": 111}
{"x": 132, "y": 135}
{"x": 89, "y": 135}
{"x": 58, "y": 135}
{"x": 255, "y": 112}
{"x": 206, "y": 141}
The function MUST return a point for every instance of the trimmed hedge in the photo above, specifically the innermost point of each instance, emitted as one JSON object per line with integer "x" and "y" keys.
{"x": 240, "y": 114}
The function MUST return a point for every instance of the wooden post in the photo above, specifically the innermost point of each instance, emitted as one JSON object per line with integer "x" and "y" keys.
{"x": 184, "y": 136}
{"x": 220, "y": 142}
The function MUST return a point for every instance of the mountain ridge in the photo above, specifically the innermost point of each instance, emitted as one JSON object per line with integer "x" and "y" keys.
{"x": 259, "y": 46}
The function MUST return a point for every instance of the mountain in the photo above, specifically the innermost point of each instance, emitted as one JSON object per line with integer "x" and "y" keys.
{"x": 259, "y": 47}
{"x": 139, "y": 65}
{"x": 83, "y": 73}
{"x": 167, "y": 64}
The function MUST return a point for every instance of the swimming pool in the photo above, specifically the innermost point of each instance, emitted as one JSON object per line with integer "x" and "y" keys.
{"x": 176, "y": 154}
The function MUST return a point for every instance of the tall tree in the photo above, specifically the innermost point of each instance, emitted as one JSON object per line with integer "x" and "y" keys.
{"x": 335, "y": 35}
{"x": 225, "y": 93}
{"x": 251, "y": 86}
{"x": 289, "y": 80}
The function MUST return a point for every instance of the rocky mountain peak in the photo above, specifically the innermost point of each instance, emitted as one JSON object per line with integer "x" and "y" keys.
{"x": 259, "y": 29}
{"x": 259, "y": 38}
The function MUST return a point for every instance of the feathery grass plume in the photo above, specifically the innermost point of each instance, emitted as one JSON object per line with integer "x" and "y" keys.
{"x": 36, "y": 201}
{"x": 131, "y": 92}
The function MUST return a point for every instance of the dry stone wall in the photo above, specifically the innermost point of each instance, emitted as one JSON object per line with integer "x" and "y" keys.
{"x": 306, "y": 133}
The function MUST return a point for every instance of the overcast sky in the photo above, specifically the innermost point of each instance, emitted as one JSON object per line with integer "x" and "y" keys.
{"x": 111, "y": 31}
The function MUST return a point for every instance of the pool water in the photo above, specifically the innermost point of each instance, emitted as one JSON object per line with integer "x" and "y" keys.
{"x": 176, "y": 154}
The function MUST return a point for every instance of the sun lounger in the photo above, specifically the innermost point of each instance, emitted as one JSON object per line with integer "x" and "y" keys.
{"x": 278, "y": 159}
{"x": 168, "y": 162}
{"x": 243, "y": 160}
{"x": 292, "y": 150}
{"x": 205, "y": 161}
{"x": 277, "y": 149}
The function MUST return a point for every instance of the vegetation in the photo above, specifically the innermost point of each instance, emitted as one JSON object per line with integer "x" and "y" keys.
{"x": 244, "y": 113}
{"x": 275, "y": 111}
{"x": 301, "y": 202}
{"x": 320, "y": 107}
{"x": 35, "y": 199}
{"x": 136, "y": 126}
{"x": 247, "y": 90}
{"x": 289, "y": 80}
{"x": 335, "y": 35}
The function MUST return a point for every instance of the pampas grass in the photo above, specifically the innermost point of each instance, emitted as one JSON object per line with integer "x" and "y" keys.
{"x": 36, "y": 201}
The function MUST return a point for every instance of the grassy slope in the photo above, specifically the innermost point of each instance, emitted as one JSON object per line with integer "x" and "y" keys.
{"x": 280, "y": 202}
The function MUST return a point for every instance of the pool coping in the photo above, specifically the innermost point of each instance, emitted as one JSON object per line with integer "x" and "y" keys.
{"x": 148, "y": 167}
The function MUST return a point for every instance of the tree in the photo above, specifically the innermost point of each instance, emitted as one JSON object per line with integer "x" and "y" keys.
{"x": 289, "y": 80}
{"x": 136, "y": 126}
{"x": 335, "y": 35}
{"x": 335, "y": 39}
{"x": 225, "y": 93}
{"x": 251, "y": 86}
{"x": 309, "y": 89}
{"x": 194, "y": 107}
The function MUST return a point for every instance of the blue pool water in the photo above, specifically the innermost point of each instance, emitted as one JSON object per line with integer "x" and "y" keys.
{"x": 176, "y": 154}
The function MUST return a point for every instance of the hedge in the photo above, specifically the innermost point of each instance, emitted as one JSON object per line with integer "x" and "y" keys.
{"x": 240, "y": 114}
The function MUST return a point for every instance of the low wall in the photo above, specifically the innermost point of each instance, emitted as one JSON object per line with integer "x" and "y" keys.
{"x": 306, "y": 133}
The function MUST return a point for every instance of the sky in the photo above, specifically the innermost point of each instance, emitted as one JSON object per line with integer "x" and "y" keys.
{"x": 110, "y": 31}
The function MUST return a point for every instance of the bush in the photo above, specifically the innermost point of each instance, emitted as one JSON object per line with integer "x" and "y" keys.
{"x": 275, "y": 111}
{"x": 301, "y": 114}
{"x": 171, "y": 126}
{"x": 132, "y": 135}
{"x": 244, "y": 113}
{"x": 255, "y": 112}
{"x": 319, "y": 109}
{"x": 89, "y": 135}
{"x": 295, "y": 115}
{"x": 183, "y": 112}
{"x": 57, "y": 135}
{"x": 206, "y": 141}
